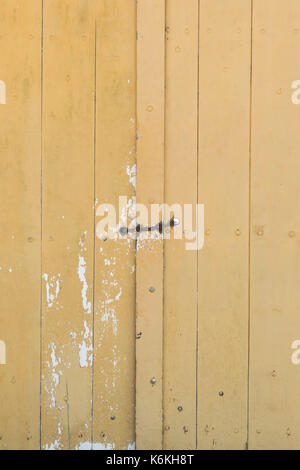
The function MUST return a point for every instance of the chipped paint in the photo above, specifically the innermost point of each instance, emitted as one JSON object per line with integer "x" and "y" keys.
{"x": 55, "y": 445}
{"x": 53, "y": 287}
{"x": 131, "y": 172}
{"x": 87, "y": 445}
{"x": 84, "y": 349}
{"x": 55, "y": 378}
{"x": 86, "y": 345}
{"x": 81, "y": 274}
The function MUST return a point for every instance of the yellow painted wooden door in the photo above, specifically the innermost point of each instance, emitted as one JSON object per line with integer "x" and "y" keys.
{"x": 124, "y": 342}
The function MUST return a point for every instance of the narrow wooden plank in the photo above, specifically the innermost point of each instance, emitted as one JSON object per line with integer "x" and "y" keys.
{"x": 114, "y": 380}
{"x": 180, "y": 283}
{"x": 20, "y": 149}
{"x": 150, "y": 190}
{"x": 275, "y": 223}
{"x": 68, "y": 223}
{"x": 225, "y": 38}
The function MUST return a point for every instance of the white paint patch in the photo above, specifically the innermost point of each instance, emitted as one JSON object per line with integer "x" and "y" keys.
{"x": 132, "y": 446}
{"x": 99, "y": 446}
{"x": 95, "y": 446}
{"x": 119, "y": 294}
{"x": 81, "y": 274}
{"x": 56, "y": 444}
{"x": 131, "y": 172}
{"x": 110, "y": 314}
{"x": 86, "y": 356}
{"x": 52, "y": 288}
{"x": 87, "y": 445}
{"x": 85, "y": 361}
{"x": 55, "y": 362}
{"x": 53, "y": 446}
{"x": 83, "y": 352}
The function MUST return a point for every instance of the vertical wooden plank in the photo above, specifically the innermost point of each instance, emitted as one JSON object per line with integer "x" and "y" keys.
{"x": 68, "y": 223}
{"x": 180, "y": 283}
{"x": 225, "y": 38}
{"x": 114, "y": 380}
{"x": 150, "y": 190}
{"x": 275, "y": 221}
{"x": 20, "y": 148}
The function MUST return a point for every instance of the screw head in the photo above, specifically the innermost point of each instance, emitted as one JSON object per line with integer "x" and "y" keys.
{"x": 151, "y": 289}
{"x": 123, "y": 231}
{"x": 221, "y": 394}
{"x": 153, "y": 381}
{"x": 180, "y": 408}
{"x": 112, "y": 418}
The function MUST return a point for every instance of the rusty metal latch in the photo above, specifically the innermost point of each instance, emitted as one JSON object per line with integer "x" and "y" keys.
{"x": 159, "y": 227}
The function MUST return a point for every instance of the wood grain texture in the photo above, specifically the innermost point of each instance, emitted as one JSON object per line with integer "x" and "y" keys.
{"x": 114, "y": 375}
{"x": 224, "y": 113}
{"x": 180, "y": 275}
{"x": 20, "y": 233}
{"x": 150, "y": 190}
{"x": 68, "y": 223}
{"x": 275, "y": 256}
{"x": 109, "y": 342}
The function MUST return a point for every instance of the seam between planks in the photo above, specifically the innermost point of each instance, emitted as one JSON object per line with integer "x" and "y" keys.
{"x": 250, "y": 209}
{"x": 41, "y": 219}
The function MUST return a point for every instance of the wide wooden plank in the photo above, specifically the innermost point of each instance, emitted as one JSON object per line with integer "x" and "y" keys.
{"x": 275, "y": 223}
{"x": 114, "y": 379}
{"x": 180, "y": 282}
{"x": 68, "y": 223}
{"x": 224, "y": 113}
{"x": 20, "y": 234}
{"x": 150, "y": 190}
